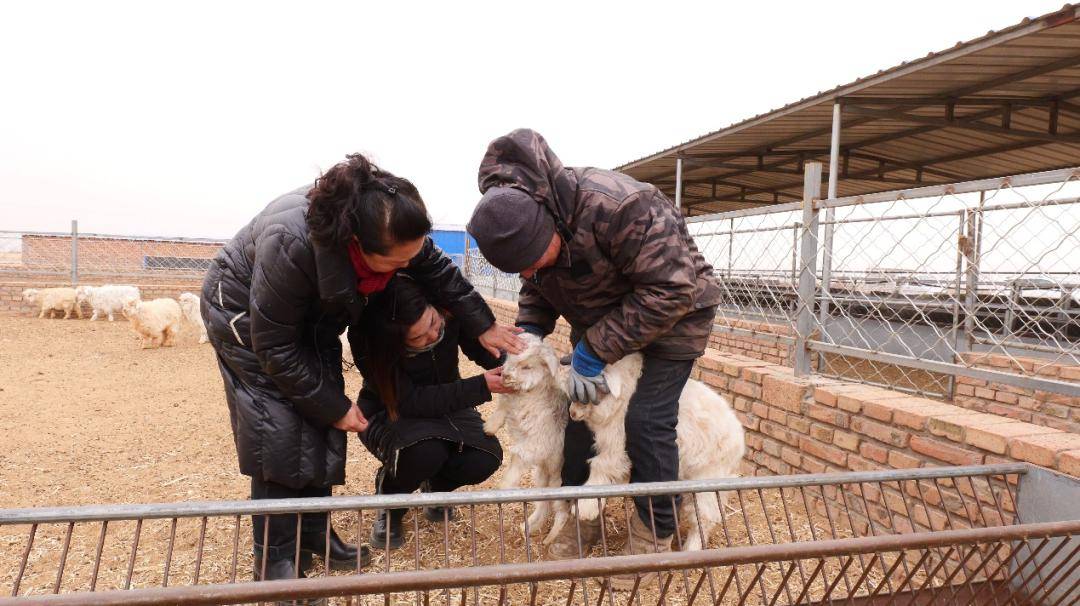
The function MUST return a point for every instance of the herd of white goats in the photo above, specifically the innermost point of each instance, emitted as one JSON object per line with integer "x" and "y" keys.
{"x": 157, "y": 322}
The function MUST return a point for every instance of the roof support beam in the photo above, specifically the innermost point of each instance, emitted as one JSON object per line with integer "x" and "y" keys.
{"x": 899, "y": 165}
{"x": 974, "y": 125}
{"x": 912, "y": 102}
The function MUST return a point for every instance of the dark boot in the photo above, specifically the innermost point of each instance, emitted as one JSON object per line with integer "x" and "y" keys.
{"x": 436, "y": 514}
{"x": 283, "y": 569}
{"x": 342, "y": 555}
{"x": 387, "y": 529}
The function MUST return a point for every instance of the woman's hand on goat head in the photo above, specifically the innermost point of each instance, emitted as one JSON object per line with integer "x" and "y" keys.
{"x": 499, "y": 338}
{"x": 352, "y": 421}
{"x": 494, "y": 380}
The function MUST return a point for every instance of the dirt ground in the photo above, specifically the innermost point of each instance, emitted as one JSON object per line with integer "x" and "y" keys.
{"x": 87, "y": 417}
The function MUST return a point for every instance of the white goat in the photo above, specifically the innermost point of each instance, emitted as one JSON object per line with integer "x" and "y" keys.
{"x": 156, "y": 322}
{"x": 535, "y": 417}
{"x": 53, "y": 299}
{"x": 710, "y": 438}
{"x": 189, "y": 304}
{"x": 347, "y": 361}
{"x": 106, "y": 300}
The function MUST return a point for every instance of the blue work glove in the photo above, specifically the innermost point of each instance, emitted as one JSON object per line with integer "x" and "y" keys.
{"x": 585, "y": 382}
{"x": 532, "y": 329}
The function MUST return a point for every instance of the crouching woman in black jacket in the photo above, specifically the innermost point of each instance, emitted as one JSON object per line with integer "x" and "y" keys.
{"x": 422, "y": 420}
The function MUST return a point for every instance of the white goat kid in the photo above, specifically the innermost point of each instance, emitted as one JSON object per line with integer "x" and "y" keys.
{"x": 53, "y": 299}
{"x": 535, "y": 417}
{"x": 107, "y": 300}
{"x": 156, "y": 322}
{"x": 710, "y": 438}
{"x": 189, "y": 304}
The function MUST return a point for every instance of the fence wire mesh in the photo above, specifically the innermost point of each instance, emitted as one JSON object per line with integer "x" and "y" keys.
{"x": 947, "y": 533}
{"x": 487, "y": 279}
{"x": 914, "y": 287}
{"x": 74, "y": 256}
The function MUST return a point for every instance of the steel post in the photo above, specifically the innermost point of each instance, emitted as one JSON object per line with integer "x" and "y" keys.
{"x": 678, "y": 184}
{"x": 971, "y": 286}
{"x": 807, "y": 267}
{"x": 962, "y": 251}
{"x": 827, "y": 242}
{"x": 74, "y": 252}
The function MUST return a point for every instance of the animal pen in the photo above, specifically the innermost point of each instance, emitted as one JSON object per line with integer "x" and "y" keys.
{"x": 969, "y": 274}
{"x": 999, "y": 534}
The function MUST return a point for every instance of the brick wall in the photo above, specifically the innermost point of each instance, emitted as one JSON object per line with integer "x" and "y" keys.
{"x": 761, "y": 345}
{"x": 11, "y": 301}
{"x": 1031, "y": 405}
{"x": 107, "y": 254}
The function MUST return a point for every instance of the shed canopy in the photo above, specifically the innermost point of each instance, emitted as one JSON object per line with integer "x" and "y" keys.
{"x": 1005, "y": 103}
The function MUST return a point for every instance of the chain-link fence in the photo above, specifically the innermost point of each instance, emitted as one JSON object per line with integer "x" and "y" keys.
{"x": 910, "y": 289}
{"x": 488, "y": 280}
{"x": 76, "y": 256}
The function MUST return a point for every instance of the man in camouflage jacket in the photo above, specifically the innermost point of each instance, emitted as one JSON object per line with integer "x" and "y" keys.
{"x": 613, "y": 256}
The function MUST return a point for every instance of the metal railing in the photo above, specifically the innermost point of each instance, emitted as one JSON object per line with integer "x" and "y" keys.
{"x": 909, "y": 289}
{"x": 1002, "y": 534}
{"x": 73, "y": 256}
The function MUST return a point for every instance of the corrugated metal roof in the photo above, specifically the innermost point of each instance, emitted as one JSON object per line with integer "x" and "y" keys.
{"x": 1005, "y": 103}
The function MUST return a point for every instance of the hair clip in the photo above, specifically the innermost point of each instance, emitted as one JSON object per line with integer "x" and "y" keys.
{"x": 391, "y": 190}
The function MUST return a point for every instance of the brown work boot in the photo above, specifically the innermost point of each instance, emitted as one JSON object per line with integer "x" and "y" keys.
{"x": 565, "y": 544}
{"x": 639, "y": 540}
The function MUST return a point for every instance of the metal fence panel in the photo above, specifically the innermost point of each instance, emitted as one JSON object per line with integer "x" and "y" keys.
{"x": 942, "y": 534}
{"x": 977, "y": 279}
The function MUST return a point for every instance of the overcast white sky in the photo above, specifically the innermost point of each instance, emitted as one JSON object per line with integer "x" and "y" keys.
{"x": 187, "y": 118}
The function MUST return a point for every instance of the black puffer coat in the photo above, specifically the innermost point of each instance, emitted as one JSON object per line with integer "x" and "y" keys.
{"x": 274, "y": 304}
{"x": 434, "y": 402}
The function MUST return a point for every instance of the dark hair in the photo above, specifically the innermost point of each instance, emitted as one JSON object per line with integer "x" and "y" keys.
{"x": 356, "y": 198}
{"x": 386, "y": 320}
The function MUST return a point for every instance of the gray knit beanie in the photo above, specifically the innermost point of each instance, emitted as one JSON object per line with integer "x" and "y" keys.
{"x": 511, "y": 229}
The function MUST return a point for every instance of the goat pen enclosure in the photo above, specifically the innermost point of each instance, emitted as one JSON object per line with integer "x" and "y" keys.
{"x": 1001, "y": 534}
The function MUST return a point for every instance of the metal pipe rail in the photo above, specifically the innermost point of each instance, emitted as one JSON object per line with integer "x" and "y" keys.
{"x": 601, "y": 567}
{"x": 778, "y": 540}
{"x": 149, "y": 511}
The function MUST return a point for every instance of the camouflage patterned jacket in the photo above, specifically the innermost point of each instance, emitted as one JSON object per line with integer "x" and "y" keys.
{"x": 629, "y": 276}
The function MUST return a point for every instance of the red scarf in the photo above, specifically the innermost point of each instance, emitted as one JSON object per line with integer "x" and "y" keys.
{"x": 368, "y": 281}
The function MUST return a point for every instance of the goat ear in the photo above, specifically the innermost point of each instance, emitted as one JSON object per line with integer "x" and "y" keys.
{"x": 552, "y": 362}
{"x": 614, "y": 380}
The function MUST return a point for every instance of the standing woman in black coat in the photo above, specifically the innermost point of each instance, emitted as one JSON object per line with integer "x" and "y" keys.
{"x": 422, "y": 420}
{"x": 275, "y": 300}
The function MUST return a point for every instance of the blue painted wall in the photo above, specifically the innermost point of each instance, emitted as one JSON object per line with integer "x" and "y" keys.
{"x": 452, "y": 241}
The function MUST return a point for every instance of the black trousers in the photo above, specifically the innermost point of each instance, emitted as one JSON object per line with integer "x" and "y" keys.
{"x": 651, "y": 420}
{"x": 446, "y": 465}
{"x": 280, "y": 534}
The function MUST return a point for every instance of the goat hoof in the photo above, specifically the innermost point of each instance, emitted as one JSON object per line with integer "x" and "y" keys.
{"x": 588, "y": 511}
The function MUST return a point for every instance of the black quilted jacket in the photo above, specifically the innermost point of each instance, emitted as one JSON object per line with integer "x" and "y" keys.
{"x": 274, "y": 304}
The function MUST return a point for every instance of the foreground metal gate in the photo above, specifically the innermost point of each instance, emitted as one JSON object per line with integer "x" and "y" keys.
{"x": 999, "y": 534}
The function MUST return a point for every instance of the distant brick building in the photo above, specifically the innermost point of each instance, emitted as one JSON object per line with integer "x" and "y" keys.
{"x": 117, "y": 255}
